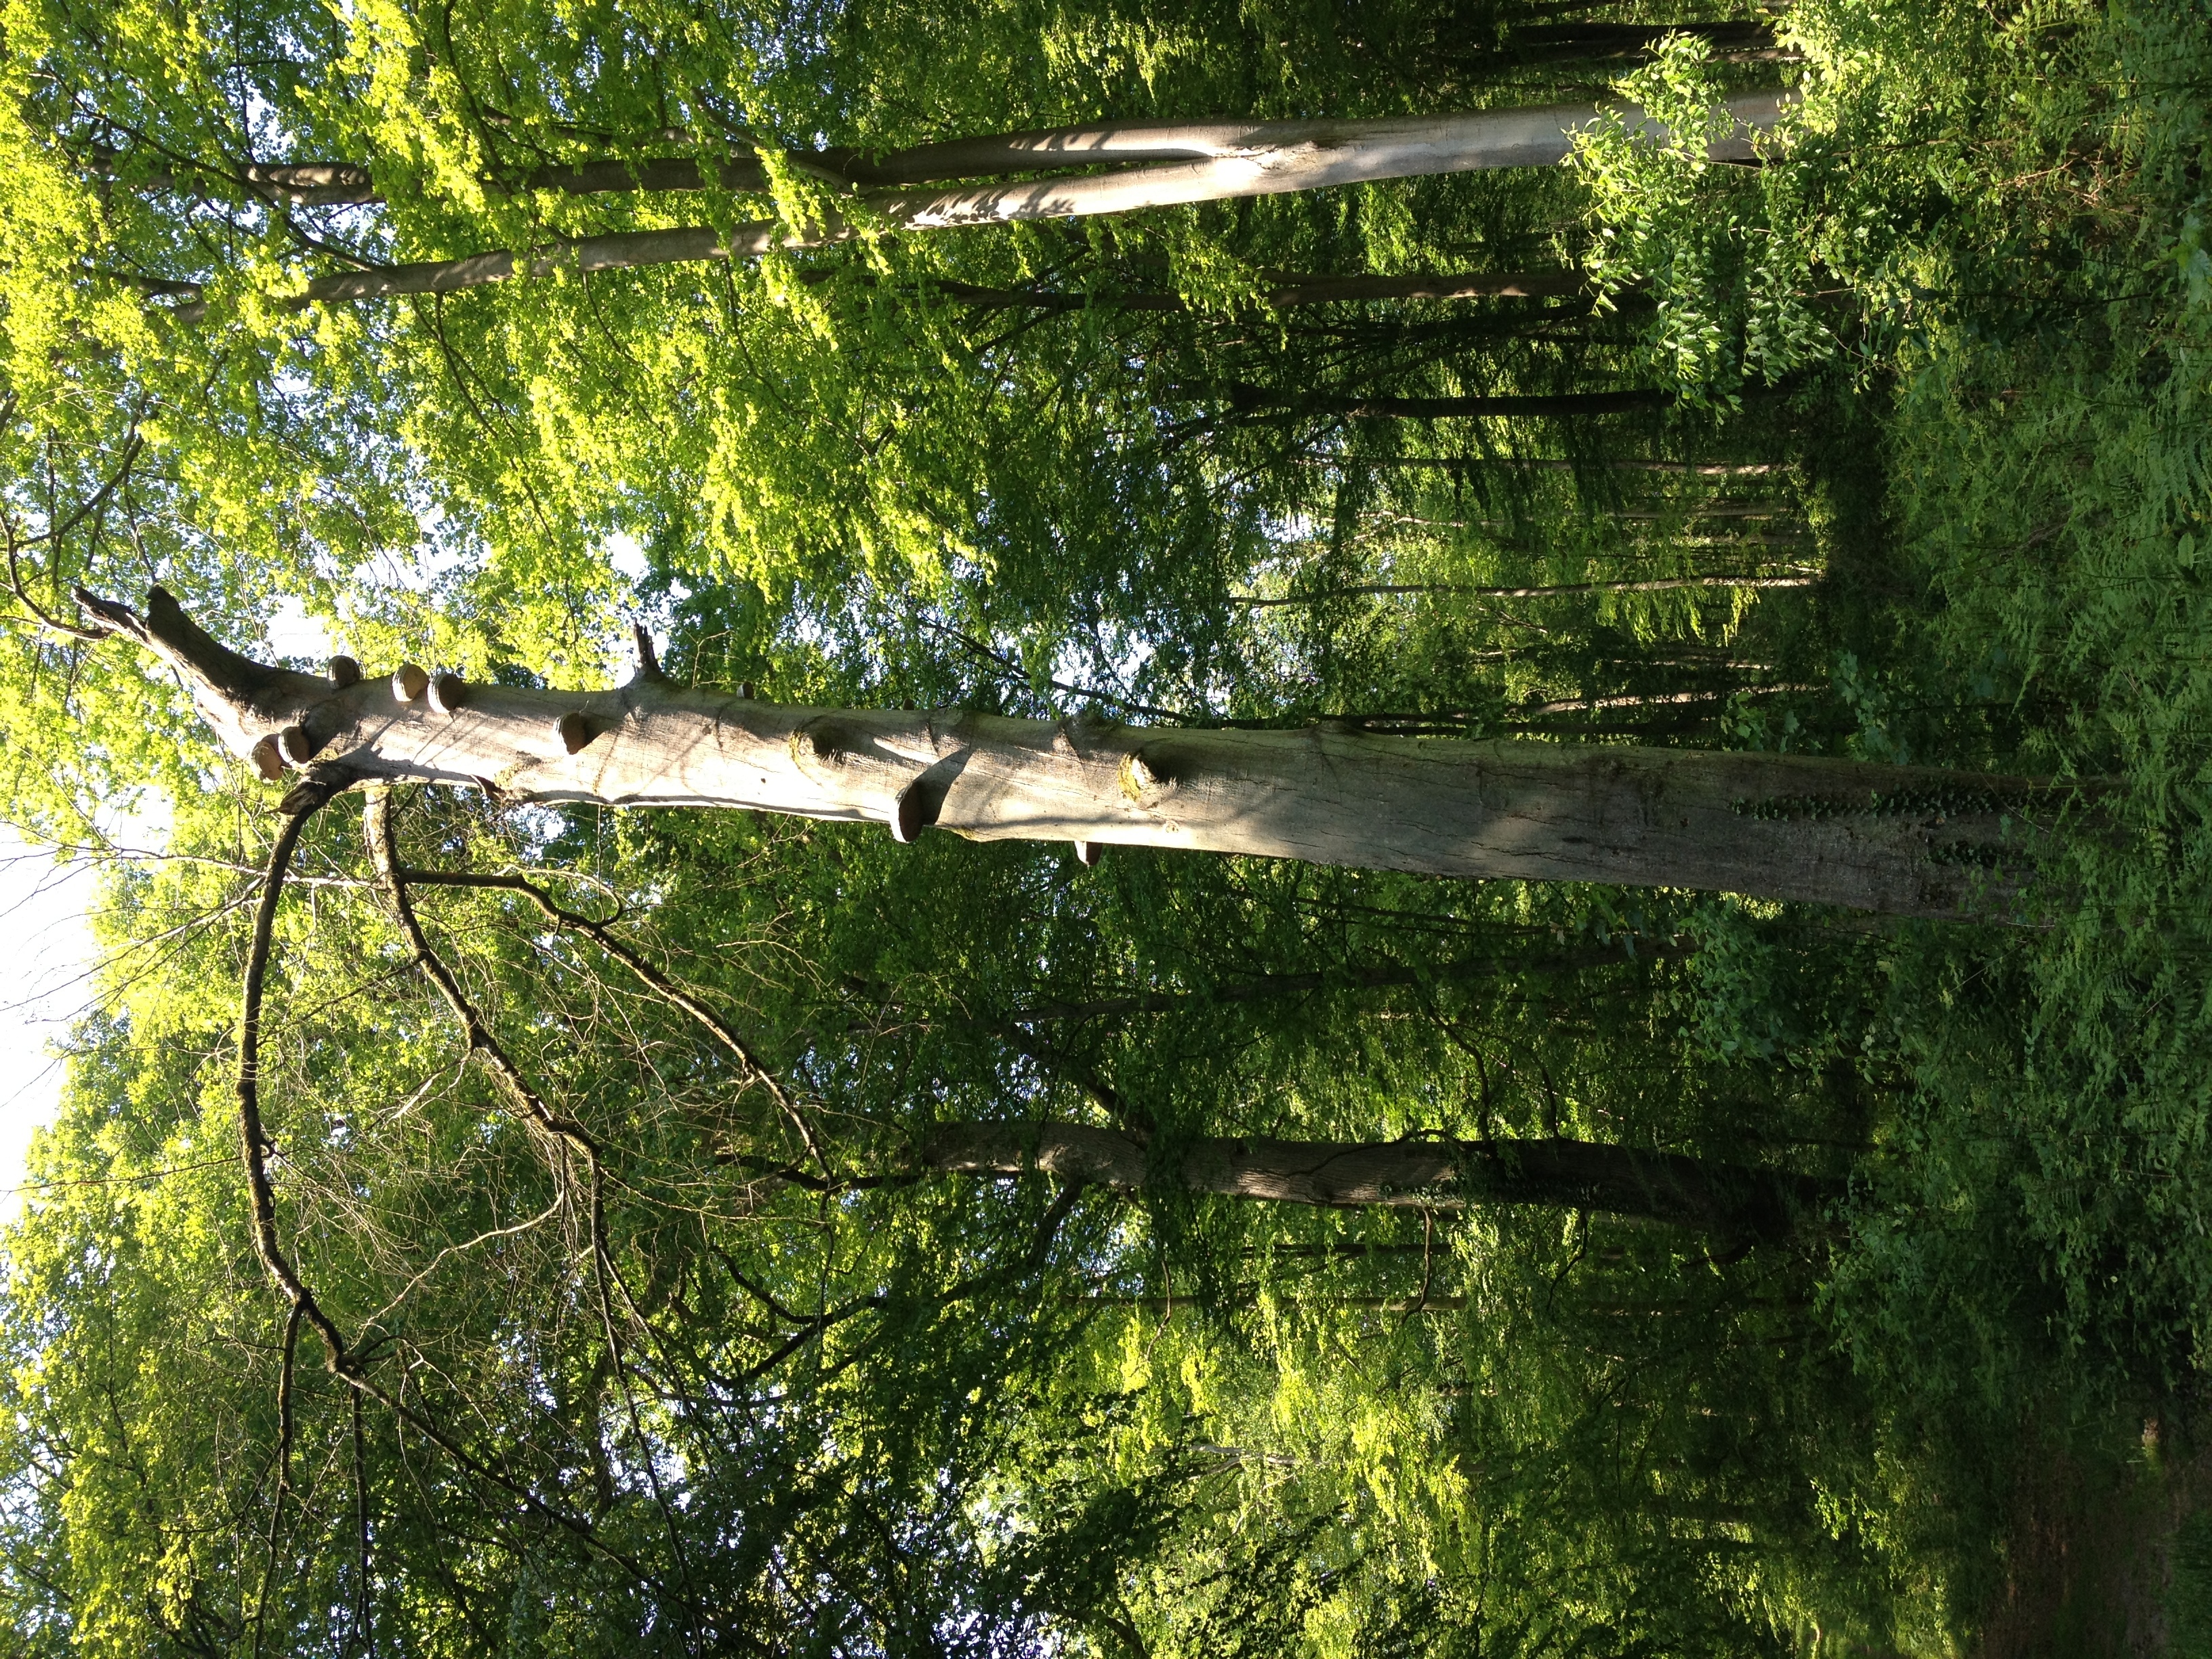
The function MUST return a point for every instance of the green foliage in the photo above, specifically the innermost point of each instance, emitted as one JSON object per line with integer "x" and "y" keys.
{"x": 1730, "y": 288}
{"x": 2189, "y": 1605}
{"x": 837, "y": 1407}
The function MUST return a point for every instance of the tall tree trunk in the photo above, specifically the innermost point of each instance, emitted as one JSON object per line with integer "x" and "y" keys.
{"x": 1351, "y": 979}
{"x": 1571, "y": 43}
{"x": 1565, "y": 590}
{"x": 1297, "y": 291}
{"x": 1528, "y": 136}
{"x": 1550, "y": 464}
{"x": 1910, "y": 840}
{"x": 1257, "y": 400}
{"x": 1197, "y": 162}
{"x": 1536, "y": 136}
{"x": 1431, "y": 1175}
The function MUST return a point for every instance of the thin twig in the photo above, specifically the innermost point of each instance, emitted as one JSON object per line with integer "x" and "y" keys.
{"x": 663, "y": 987}
{"x": 255, "y": 1145}
{"x": 508, "y": 1231}
{"x": 376, "y": 824}
{"x": 1014, "y": 670}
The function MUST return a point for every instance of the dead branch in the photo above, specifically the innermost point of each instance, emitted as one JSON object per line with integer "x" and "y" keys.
{"x": 660, "y": 983}
{"x": 340, "y": 1360}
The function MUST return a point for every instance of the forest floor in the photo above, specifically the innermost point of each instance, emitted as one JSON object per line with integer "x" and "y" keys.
{"x": 2048, "y": 1265}
{"x": 2090, "y": 1548}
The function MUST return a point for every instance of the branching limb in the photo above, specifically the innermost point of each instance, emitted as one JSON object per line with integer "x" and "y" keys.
{"x": 660, "y": 983}
{"x": 569, "y": 1136}
{"x": 485, "y": 1237}
{"x": 384, "y": 854}
{"x": 44, "y": 617}
{"x": 254, "y": 1142}
{"x": 341, "y": 1361}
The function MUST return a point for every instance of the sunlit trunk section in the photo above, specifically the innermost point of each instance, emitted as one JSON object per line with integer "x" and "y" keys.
{"x": 1907, "y": 841}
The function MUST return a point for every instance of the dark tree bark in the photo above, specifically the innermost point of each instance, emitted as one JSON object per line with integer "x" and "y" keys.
{"x": 1573, "y": 43}
{"x": 1355, "y": 979}
{"x": 1258, "y": 400}
{"x": 1730, "y": 1199}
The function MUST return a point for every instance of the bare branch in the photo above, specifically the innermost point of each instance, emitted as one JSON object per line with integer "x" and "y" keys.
{"x": 339, "y": 1358}
{"x": 528, "y": 1103}
{"x": 661, "y": 984}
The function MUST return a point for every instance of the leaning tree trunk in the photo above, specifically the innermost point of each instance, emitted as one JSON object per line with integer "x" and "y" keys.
{"x": 1179, "y": 163}
{"x": 1909, "y": 840}
{"x": 1429, "y": 1174}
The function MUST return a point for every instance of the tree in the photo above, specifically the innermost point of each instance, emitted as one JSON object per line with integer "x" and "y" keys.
{"x": 1731, "y": 1201}
{"x": 1904, "y": 841}
{"x": 813, "y": 1417}
{"x": 952, "y": 1370}
{"x": 795, "y": 424}
{"x": 1228, "y": 162}
{"x": 782, "y": 1235}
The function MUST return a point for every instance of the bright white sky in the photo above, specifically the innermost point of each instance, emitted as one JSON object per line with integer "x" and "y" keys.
{"x": 43, "y": 986}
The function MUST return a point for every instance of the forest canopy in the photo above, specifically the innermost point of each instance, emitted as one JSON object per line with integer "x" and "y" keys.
{"x": 1130, "y": 831}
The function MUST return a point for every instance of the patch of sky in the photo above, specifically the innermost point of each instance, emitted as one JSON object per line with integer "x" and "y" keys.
{"x": 1072, "y": 665}
{"x": 42, "y": 904}
{"x": 48, "y": 975}
{"x": 635, "y": 598}
{"x": 440, "y": 552}
{"x": 293, "y": 635}
{"x": 627, "y": 557}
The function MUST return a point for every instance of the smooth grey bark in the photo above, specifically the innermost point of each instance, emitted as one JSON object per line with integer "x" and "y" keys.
{"x": 1429, "y": 1174}
{"x": 1526, "y": 135}
{"x": 1552, "y": 464}
{"x": 1299, "y": 291}
{"x": 1420, "y": 143}
{"x": 1179, "y": 163}
{"x": 1907, "y": 841}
